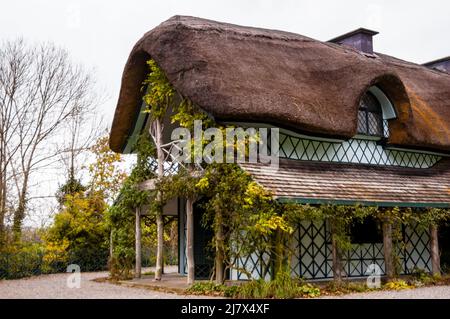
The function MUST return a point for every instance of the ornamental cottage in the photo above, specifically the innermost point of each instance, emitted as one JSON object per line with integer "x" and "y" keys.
{"x": 355, "y": 127}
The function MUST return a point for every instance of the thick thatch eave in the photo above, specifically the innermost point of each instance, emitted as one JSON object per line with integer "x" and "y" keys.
{"x": 247, "y": 74}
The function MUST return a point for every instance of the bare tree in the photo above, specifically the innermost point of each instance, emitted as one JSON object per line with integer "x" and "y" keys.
{"x": 41, "y": 92}
{"x": 81, "y": 132}
{"x": 14, "y": 61}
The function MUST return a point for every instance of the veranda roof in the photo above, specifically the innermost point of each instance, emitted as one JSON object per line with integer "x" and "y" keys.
{"x": 241, "y": 73}
{"x": 339, "y": 183}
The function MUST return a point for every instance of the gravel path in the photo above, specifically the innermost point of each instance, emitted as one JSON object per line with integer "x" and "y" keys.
{"x": 436, "y": 292}
{"x": 55, "y": 286}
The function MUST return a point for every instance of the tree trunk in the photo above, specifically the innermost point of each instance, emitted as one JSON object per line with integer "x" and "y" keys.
{"x": 388, "y": 251}
{"x": 159, "y": 217}
{"x": 435, "y": 258}
{"x": 278, "y": 254}
{"x": 174, "y": 238}
{"x": 137, "y": 272}
{"x": 220, "y": 254}
{"x": 160, "y": 246}
{"x": 19, "y": 213}
{"x": 2, "y": 210}
{"x": 190, "y": 240}
{"x": 336, "y": 254}
{"x": 111, "y": 245}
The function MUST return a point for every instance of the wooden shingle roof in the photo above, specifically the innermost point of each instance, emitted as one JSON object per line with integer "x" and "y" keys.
{"x": 319, "y": 182}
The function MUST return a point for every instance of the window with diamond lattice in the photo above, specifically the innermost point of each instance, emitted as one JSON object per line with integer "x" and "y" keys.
{"x": 370, "y": 116}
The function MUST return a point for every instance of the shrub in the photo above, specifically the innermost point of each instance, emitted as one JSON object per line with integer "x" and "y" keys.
{"x": 79, "y": 234}
{"x": 282, "y": 287}
{"x": 421, "y": 277}
{"x": 21, "y": 260}
{"x": 205, "y": 288}
{"x": 309, "y": 291}
{"x": 397, "y": 285}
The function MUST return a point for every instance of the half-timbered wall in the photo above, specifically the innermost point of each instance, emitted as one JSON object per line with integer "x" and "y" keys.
{"x": 311, "y": 255}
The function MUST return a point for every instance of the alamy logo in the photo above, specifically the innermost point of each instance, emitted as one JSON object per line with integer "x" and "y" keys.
{"x": 374, "y": 278}
{"x": 74, "y": 279}
{"x": 232, "y": 145}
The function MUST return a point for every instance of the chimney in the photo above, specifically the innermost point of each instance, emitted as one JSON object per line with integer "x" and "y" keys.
{"x": 441, "y": 64}
{"x": 360, "y": 39}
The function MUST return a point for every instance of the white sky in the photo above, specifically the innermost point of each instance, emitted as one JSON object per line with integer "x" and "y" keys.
{"x": 100, "y": 34}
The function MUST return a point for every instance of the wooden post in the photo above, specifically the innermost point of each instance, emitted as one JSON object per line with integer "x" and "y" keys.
{"x": 160, "y": 245}
{"x": 435, "y": 258}
{"x": 336, "y": 254}
{"x": 190, "y": 240}
{"x": 220, "y": 255}
{"x": 159, "y": 218}
{"x": 111, "y": 245}
{"x": 387, "y": 249}
{"x": 137, "y": 273}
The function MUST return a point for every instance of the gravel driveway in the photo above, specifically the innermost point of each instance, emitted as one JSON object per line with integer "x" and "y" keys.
{"x": 55, "y": 286}
{"x": 436, "y": 292}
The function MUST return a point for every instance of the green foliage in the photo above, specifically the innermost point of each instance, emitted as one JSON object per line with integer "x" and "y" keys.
{"x": 106, "y": 176}
{"x": 79, "y": 230}
{"x": 346, "y": 287}
{"x": 79, "y": 234}
{"x": 160, "y": 93}
{"x": 207, "y": 288}
{"x": 419, "y": 277}
{"x": 246, "y": 214}
{"x": 282, "y": 287}
{"x": 19, "y": 260}
{"x": 340, "y": 216}
{"x": 121, "y": 215}
{"x": 71, "y": 187}
{"x": 397, "y": 285}
{"x": 186, "y": 112}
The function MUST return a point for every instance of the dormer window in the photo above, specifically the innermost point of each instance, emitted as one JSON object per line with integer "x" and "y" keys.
{"x": 370, "y": 116}
{"x": 374, "y": 110}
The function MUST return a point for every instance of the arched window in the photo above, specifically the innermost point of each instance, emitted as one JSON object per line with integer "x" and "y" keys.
{"x": 370, "y": 116}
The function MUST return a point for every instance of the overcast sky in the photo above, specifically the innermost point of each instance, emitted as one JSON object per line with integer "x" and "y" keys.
{"x": 100, "y": 34}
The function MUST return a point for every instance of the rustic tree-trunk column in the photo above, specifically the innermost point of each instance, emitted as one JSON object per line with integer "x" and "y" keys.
{"x": 336, "y": 254}
{"x": 137, "y": 272}
{"x": 160, "y": 246}
{"x": 220, "y": 255}
{"x": 190, "y": 240}
{"x": 435, "y": 258}
{"x": 159, "y": 217}
{"x": 111, "y": 245}
{"x": 388, "y": 250}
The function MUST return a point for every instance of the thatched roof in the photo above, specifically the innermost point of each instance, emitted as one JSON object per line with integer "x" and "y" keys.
{"x": 247, "y": 74}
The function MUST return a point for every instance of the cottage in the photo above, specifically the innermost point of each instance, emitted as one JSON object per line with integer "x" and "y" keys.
{"x": 355, "y": 127}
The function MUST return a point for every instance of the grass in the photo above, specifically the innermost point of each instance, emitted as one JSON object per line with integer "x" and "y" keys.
{"x": 285, "y": 287}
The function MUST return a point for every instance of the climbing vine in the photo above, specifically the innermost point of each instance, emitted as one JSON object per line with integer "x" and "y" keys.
{"x": 342, "y": 217}
{"x": 244, "y": 217}
{"x": 121, "y": 215}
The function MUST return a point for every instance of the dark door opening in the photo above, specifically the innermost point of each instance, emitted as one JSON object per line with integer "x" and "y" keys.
{"x": 444, "y": 247}
{"x": 203, "y": 253}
